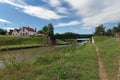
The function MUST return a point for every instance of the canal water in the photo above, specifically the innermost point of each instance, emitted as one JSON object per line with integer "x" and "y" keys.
{"x": 27, "y": 54}
{"x": 32, "y": 53}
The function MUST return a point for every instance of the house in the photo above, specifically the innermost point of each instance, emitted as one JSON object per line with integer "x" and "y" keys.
{"x": 24, "y": 31}
{"x": 117, "y": 34}
{"x": 15, "y": 32}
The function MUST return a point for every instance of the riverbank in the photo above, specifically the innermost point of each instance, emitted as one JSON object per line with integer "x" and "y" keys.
{"x": 68, "y": 63}
{"x": 73, "y": 62}
{"x": 17, "y": 42}
{"x": 18, "y": 47}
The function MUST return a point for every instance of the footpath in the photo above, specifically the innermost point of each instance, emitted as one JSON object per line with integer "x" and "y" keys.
{"x": 102, "y": 73}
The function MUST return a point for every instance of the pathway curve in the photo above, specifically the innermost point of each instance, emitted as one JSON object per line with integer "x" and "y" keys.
{"x": 102, "y": 73}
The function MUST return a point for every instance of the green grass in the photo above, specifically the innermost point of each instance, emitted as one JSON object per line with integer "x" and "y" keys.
{"x": 17, "y": 41}
{"x": 71, "y": 63}
{"x": 110, "y": 52}
{"x": 61, "y": 42}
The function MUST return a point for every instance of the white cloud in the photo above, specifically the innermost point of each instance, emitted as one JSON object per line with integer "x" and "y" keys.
{"x": 36, "y": 11}
{"x": 4, "y": 21}
{"x": 57, "y": 5}
{"x": 72, "y": 23}
{"x": 95, "y": 12}
{"x": 62, "y": 10}
{"x": 41, "y": 13}
{"x": 53, "y": 3}
{"x": 90, "y": 12}
{"x": 110, "y": 13}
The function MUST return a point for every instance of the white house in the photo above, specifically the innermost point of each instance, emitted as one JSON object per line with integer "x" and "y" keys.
{"x": 15, "y": 32}
{"x": 24, "y": 31}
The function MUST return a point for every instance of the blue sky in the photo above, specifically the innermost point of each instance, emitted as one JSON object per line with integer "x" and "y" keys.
{"x": 79, "y": 16}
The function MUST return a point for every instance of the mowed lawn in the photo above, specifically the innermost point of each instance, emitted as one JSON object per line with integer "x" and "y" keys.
{"x": 110, "y": 53}
{"x": 71, "y": 63}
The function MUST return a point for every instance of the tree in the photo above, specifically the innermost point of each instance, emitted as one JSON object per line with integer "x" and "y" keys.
{"x": 40, "y": 31}
{"x": 100, "y": 30}
{"x": 50, "y": 30}
{"x": 118, "y": 28}
{"x": 10, "y": 32}
{"x": 45, "y": 30}
{"x": 3, "y": 32}
{"x": 114, "y": 29}
{"x": 109, "y": 32}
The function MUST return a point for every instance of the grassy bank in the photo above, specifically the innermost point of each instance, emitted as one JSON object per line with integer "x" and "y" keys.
{"x": 17, "y": 41}
{"x": 61, "y": 42}
{"x": 71, "y": 63}
{"x": 13, "y": 42}
{"x": 110, "y": 52}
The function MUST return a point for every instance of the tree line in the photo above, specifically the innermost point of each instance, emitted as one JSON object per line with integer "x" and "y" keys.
{"x": 3, "y": 32}
{"x": 47, "y": 30}
{"x": 100, "y": 30}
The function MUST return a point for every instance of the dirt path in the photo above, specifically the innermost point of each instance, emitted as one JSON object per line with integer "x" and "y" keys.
{"x": 102, "y": 73}
{"x": 118, "y": 75}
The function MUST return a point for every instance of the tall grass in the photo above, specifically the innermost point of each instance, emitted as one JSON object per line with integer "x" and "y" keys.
{"x": 110, "y": 53}
{"x": 14, "y": 40}
{"x": 71, "y": 63}
{"x": 17, "y": 41}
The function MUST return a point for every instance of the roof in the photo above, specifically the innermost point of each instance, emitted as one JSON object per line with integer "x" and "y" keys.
{"x": 17, "y": 30}
{"x": 29, "y": 29}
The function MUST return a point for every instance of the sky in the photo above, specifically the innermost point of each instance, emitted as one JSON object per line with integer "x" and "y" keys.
{"x": 78, "y": 16}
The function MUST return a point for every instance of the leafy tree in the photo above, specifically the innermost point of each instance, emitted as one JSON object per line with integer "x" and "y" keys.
{"x": 3, "y": 32}
{"x": 100, "y": 30}
{"x": 45, "y": 30}
{"x": 115, "y": 29}
{"x": 50, "y": 30}
{"x": 40, "y": 31}
{"x": 57, "y": 34}
{"x": 118, "y": 28}
{"x": 10, "y": 32}
{"x": 70, "y": 34}
{"x": 109, "y": 32}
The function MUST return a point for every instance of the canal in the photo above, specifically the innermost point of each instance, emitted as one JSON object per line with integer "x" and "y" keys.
{"x": 30, "y": 54}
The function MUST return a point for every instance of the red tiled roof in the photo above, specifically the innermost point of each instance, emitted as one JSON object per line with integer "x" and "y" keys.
{"x": 29, "y": 29}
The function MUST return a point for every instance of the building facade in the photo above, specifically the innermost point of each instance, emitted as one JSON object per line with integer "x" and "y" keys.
{"x": 24, "y": 31}
{"x": 117, "y": 34}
